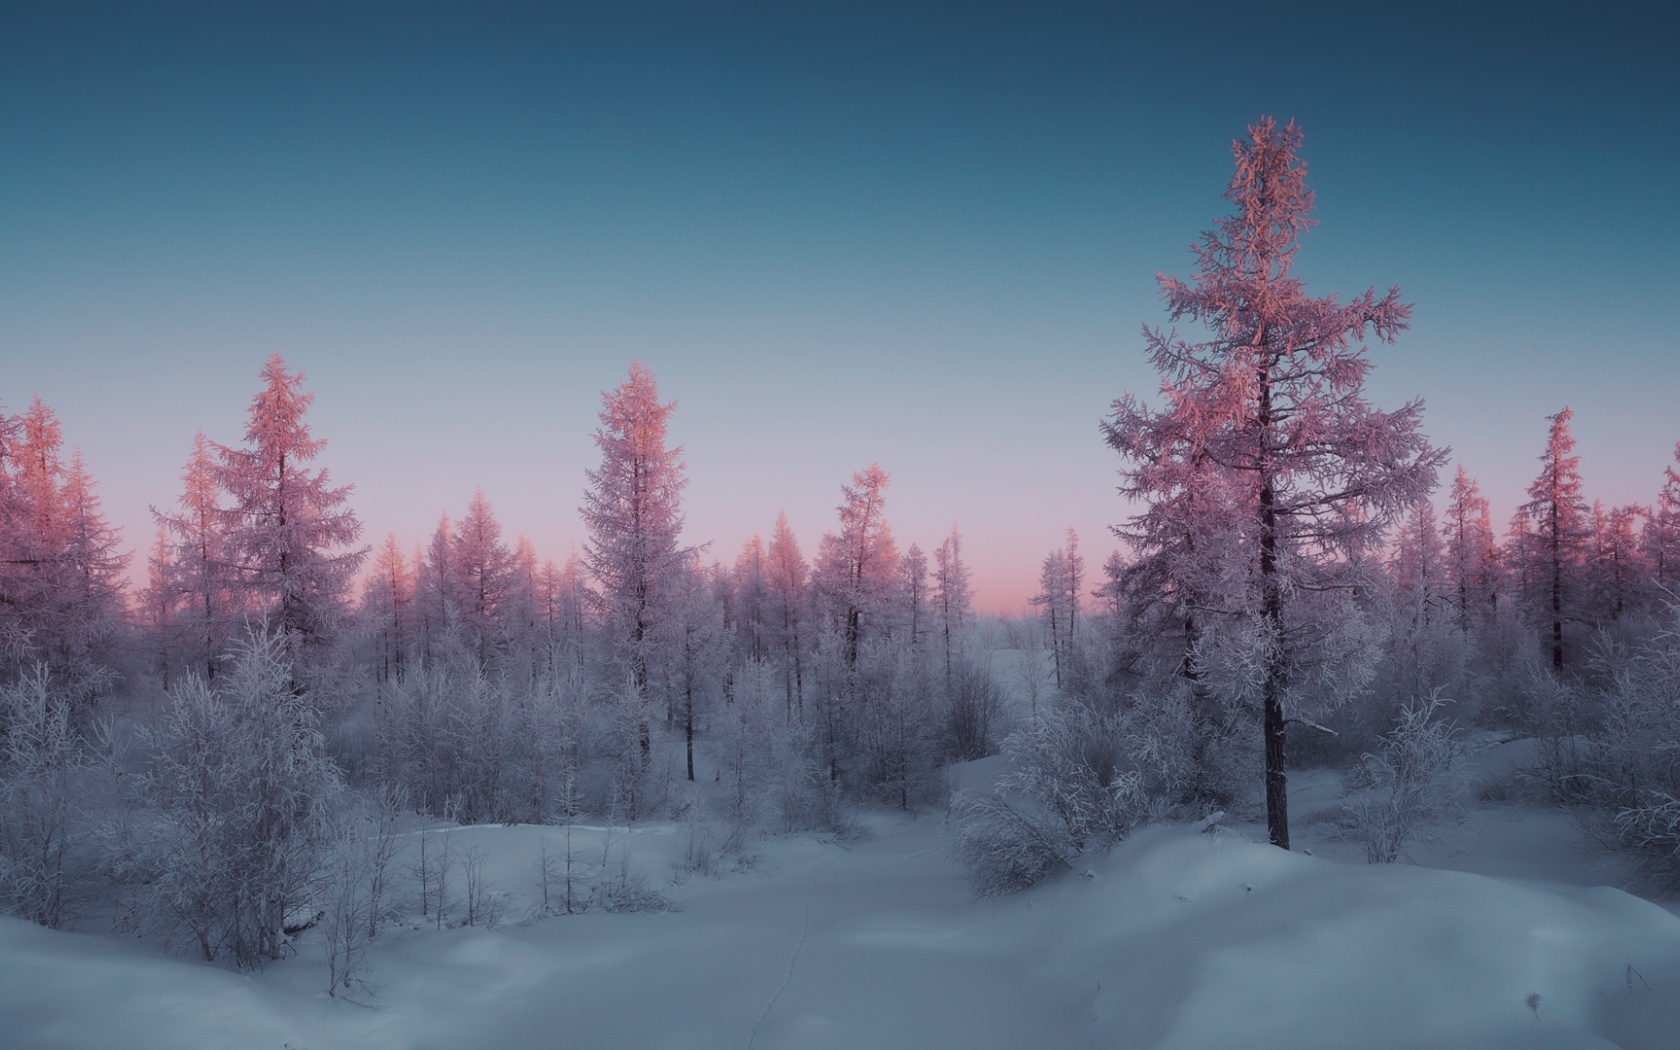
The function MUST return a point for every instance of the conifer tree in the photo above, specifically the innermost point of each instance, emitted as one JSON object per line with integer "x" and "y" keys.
{"x": 1471, "y": 570}
{"x": 484, "y": 568}
{"x": 200, "y": 566}
{"x": 953, "y": 598}
{"x": 1272, "y": 404}
{"x": 788, "y": 575}
{"x": 289, "y": 530}
{"x": 1661, "y": 537}
{"x": 857, "y": 568}
{"x": 1557, "y": 518}
{"x": 633, "y": 513}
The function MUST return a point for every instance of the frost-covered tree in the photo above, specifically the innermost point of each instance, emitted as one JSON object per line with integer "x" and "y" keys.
{"x": 290, "y": 531}
{"x": 1419, "y": 565}
{"x": 913, "y": 597}
{"x": 1472, "y": 560}
{"x": 857, "y": 568}
{"x": 1060, "y": 581}
{"x": 633, "y": 513}
{"x": 788, "y": 575}
{"x": 752, "y": 594}
{"x": 1617, "y": 571}
{"x": 200, "y": 568}
{"x": 388, "y": 608}
{"x": 953, "y": 598}
{"x": 1267, "y": 416}
{"x": 1661, "y": 536}
{"x": 1556, "y": 538}
{"x": 89, "y": 601}
{"x": 61, "y": 573}
{"x": 484, "y": 570}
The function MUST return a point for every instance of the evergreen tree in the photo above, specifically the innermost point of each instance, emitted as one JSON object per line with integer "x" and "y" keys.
{"x": 200, "y": 568}
{"x": 1472, "y": 567}
{"x": 788, "y": 575}
{"x": 1270, "y": 411}
{"x": 1661, "y": 536}
{"x": 1557, "y": 522}
{"x": 953, "y": 598}
{"x": 633, "y": 513}
{"x": 289, "y": 529}
{"x": 483, "y": 568}
{"x": 857, "y": 568}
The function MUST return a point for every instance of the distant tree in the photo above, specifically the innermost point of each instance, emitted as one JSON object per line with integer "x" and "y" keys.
{"x": 857, "y": 568}
{"x": 388, "y": 604}
{"x": 1419, "y": 564}
{"x": 290, "y": 531}
{"x": 484, "y": 577}
{"x": 1060, "y": 582}
{"x": 437, "y": 596}
{"x": 38, "y": 532}
{"x": 633, "y": 512}
{"x": 1273, "y": 401}
{"x": 1557, "y": 519}
{"x": 788, "y": 575}
{"x": 1661, "y": 536}
{"x": 201, "y": 571}
{"x": 1617, "y": 571}
{"x": 61, "y": 581}
{"x": 953, "y": 598}
{"x": 90, "y": 593}
{"x": 913, "y": 593}
{"x": 752, "y": 594}
{"x": 1472, "y": 566}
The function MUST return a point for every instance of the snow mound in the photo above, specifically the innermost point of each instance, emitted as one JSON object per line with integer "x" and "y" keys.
{"x": 1177, "y": 939}
{"x": 1198, "y": 940}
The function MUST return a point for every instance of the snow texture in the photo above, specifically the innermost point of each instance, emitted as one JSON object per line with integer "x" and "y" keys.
{"x": 1179, "y": 937}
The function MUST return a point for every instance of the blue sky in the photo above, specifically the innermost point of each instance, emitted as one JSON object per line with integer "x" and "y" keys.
{"x": 921, "y": 236}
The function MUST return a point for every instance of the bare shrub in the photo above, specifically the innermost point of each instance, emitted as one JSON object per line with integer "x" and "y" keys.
{"x": 1411, "y": 786}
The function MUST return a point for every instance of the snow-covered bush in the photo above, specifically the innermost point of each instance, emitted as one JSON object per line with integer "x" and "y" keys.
{"x": 1411, "y": 785}
{"x": 1078, "y": 779}
{"x": 44, "y": 768}
{"x": 245, "y": 791}
{"x": 973, "y": 708}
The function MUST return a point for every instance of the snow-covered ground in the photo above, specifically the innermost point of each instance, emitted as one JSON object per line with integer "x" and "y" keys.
{"x": 1177, "y": 938}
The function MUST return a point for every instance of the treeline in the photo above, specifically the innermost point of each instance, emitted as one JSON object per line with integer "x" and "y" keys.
{"x": 188, "y": 756}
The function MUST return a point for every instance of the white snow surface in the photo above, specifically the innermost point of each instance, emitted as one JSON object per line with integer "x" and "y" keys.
{"x": 1176, "y": 938}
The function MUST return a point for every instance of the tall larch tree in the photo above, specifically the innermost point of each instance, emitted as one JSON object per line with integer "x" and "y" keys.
{"x": 291, "y": 533}
{"x": 1557, "y": 519}
{"x": 90, "y": 596}
{"x": 200, "y": 565}
{"x": 484, "y": 575}
{"x": 788, "y": 575}
{"x": 1661, "y": 537}
{"x": 388, "y": 608}
{"x": 953, "y": 597}
{"x": 857, "y": 568}
{"x": 1273, "y": 398}
{"x": 632, "y": 510}
{"x": 1472, "y": 567}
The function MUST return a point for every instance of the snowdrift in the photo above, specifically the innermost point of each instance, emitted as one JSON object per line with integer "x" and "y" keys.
{"x": 1177, "y": 938}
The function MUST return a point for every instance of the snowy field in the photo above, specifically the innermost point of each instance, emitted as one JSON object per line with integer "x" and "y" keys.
{"x": 1177, "y": 938}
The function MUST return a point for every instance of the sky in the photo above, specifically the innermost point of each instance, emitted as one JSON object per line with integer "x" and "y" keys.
{"x": 920, "y": 235}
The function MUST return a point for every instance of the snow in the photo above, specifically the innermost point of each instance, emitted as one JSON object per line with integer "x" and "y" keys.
{"x": 1177, "y": 938}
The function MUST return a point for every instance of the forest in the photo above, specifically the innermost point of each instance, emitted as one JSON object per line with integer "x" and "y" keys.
{"x": 250, "y": 740}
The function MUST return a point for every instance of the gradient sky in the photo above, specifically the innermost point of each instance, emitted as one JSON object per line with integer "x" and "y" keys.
{"x": 924, "y": 237}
